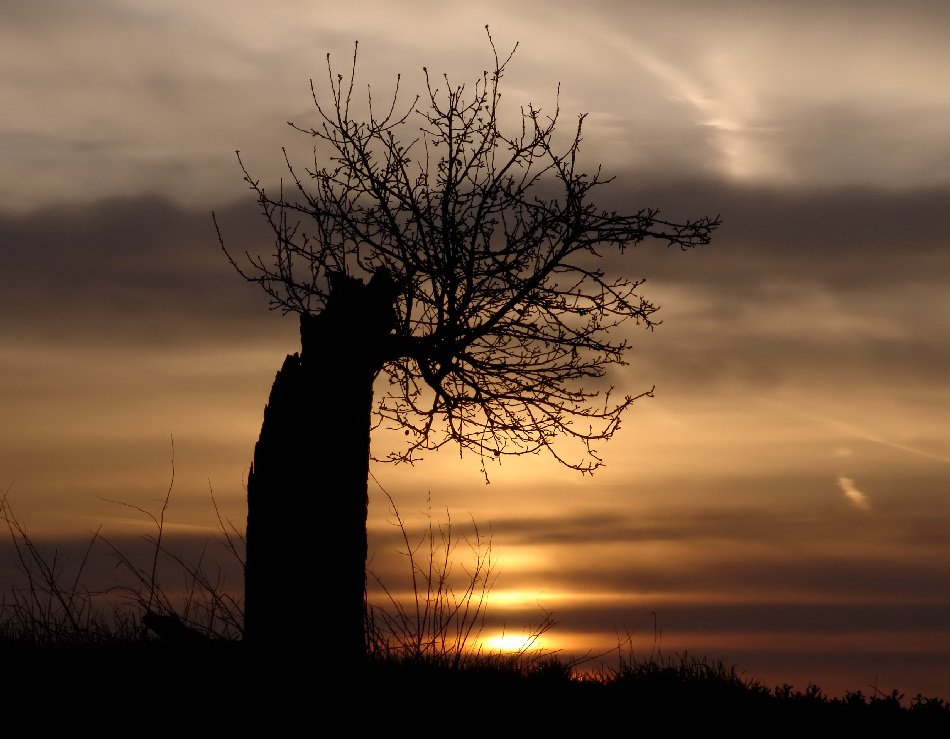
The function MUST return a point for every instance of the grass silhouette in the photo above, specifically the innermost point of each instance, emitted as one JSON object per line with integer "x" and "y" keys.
{"x": 442, "y": 619}
{"x": 177, "y": 653}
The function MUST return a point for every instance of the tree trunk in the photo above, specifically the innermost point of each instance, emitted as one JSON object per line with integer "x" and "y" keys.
{"x": 305, "y": 575}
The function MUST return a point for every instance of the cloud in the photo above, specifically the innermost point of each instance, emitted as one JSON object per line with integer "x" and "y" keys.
{"x": 814, "y": 301}
{"x": 854, "y": 496}
{"x": 138, "y": 99}
{"x": 129, "y": 271}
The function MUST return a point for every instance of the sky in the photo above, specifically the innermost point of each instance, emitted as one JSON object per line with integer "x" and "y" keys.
{"x": 782, "y": 503}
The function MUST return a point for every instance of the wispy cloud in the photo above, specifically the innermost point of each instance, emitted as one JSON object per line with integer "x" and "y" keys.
{"x": 857, "y": 431}
{"x": 855, "y": 496}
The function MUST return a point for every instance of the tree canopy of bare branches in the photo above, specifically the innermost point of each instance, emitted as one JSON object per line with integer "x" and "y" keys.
{"x": 484, "y": 245}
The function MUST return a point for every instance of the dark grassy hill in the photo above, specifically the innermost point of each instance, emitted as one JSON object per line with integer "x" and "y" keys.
{"x": 150, "y": 688}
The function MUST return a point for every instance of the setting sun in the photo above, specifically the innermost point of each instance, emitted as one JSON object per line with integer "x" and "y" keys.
{"x": 512, "y": 643}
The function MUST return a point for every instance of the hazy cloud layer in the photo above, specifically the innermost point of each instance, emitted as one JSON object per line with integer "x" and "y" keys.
{"x": 813, "y": 315}
{"x": 109, "y": 98}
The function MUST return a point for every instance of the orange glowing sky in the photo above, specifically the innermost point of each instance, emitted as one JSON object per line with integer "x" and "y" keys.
{"x": 782, "y": 503}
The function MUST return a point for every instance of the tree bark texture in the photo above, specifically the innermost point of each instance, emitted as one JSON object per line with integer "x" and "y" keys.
{"x": 305, "y": 575}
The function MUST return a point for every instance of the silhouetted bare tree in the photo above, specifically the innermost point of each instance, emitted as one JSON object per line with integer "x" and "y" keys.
{"x": 483, "y": 306}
